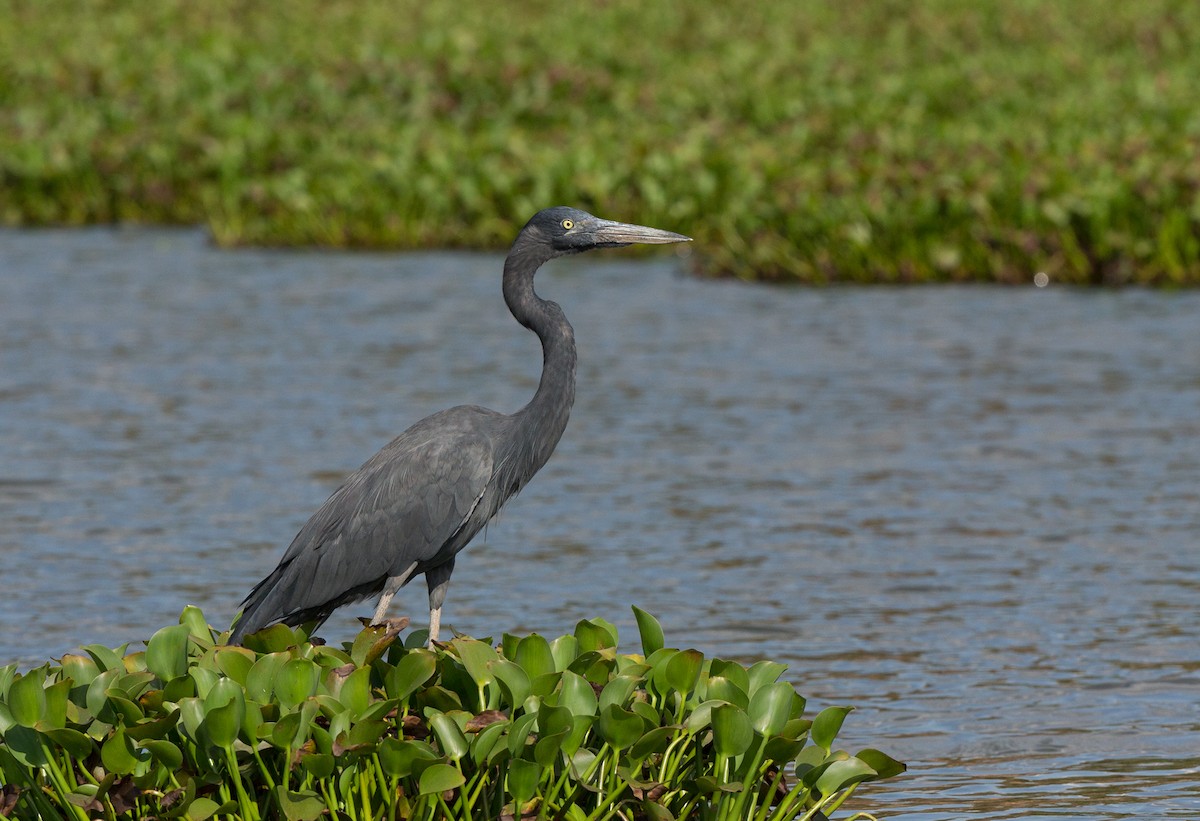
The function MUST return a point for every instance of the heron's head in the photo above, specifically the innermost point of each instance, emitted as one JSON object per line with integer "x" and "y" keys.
{"x": 565, "y": 230}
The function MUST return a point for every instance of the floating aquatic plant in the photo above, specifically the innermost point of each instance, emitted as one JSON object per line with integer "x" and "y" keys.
{"x": 382, "y": 727}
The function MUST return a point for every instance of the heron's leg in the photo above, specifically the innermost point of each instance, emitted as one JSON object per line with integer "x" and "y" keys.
{"x": 393, "y": 584}
{"x": 435, "y": 622}
{"x": 438, "y": 580}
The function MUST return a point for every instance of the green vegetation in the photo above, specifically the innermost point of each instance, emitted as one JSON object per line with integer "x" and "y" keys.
{"x": 284, "y": 728}
{"x": 871, "y": 140}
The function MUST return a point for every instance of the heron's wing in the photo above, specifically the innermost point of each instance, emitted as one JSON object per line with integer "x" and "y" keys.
{"x": 409, "y": 504}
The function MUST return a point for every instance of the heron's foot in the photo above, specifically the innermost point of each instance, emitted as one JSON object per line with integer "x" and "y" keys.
{"x": 392, "y": 627}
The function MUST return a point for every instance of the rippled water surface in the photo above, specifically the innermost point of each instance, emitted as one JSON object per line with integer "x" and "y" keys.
{"x": 972, "y": 513}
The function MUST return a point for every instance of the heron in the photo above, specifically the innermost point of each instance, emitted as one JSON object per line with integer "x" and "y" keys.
{"x": 420, "y": 500}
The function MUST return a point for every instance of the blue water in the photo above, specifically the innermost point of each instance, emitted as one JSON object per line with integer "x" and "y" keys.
{"x": 973, "y": 513}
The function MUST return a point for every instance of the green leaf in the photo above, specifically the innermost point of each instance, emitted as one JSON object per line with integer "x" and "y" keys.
{"x": 371, "y": 643}
{"x": 117, "y": 754}
{"x": 191, "y": 715}
{"x": 513, "y": 678}
{"x": 451, "y": 740}
{"x": 55, "y": 714}
{"x": 485, "y": 741}
{"x": 165, "y": 753}
{"x": 477, "y": 658}
{"x": 440, "y": 778}
{"x": 152, "y": 727}
{"x": 204, "y": 678}
{"x": 733, "y": 671}
{"x": 762, "y": 673}
{"x": 683, "y": 671}
{"x": 655, "y": 811}
{"x": 826, "y": 726}
{"x": 235, "y": 662}
{"x": 553, "y": 719}
{"x": 646, "y": 710}
{"x": 577, "y": 695}
{"x": 9, "y": 671}
{"x": 574, "y": 812}
{"x": 701, "y": 715}
{"x": 273, "y": 639}
{"x": 544, "y": 684}
{"x": 293, "y": 729}
{"x": 534, "y": 656}
{"x": 260, "y": 680}
{"x": 564, "y": 649}
{"x": 548, "y": 747}
{"x": 655, "y": 741}
{"x": 135, "y": 685}
{"x": 617, "y": 691}
{"x": 781, "y": 750}
{"x": 366, "y": 733}
{"x": 770, "y": 707}
{"x": 620, "y": 728}
{"x": 523, "y": 779}
{"x": 720, "y": 688}
{"x": 224, "y": 691}
{"x": 27, "y": 697}
{"x": 841, "y": 774}
{"x": 178, "y": 689}
{"x": 296, "y": 681}
{"x": 25, "y": 744}
{"x": 202, "y": 808}
{"x": 167, "y": 652}
{"x": 508, "y": 645}
{"x": 398, "y": 757}
{"x": 80, "y": 669}
{"x": 320, "y": 765}
{"x": 796, "y": 727}
{"x": 106, "y": 659}
{"x": 225, "y": 707}
{"x": 580, "y": 726}
{"x": 883, "y": 764}
{"x": 522, "y": 726}
{"x": 412, "y": 671}
{"x": 732, "y": 731}
{"x": 197, "y": 625}
{"x": 595, "y": 634}
{"x": 354, "y": 691}
{"x": 650, "y": 631}
{"x": 299, "y": 806}
{"x": 74, "y": 742}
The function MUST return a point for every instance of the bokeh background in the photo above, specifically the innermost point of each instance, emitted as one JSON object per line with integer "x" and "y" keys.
{"x": 821, "y": 142}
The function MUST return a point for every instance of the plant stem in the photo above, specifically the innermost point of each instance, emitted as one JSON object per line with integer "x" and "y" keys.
{"x": 842, "y": 798}
{"x": 249, "y": 808}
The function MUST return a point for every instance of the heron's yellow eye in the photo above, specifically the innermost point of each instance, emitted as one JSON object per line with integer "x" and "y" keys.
{"x": 568, "y": 224}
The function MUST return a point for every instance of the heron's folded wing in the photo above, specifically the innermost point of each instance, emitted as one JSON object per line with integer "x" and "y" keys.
{"x": 407, "y": 505}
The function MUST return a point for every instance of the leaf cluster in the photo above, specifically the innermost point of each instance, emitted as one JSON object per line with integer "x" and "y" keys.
{"x": 820, "y": 142}
{"x": 384, "y": 728}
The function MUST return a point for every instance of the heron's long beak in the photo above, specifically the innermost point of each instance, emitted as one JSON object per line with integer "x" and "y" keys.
{"x": 621, "y": 233}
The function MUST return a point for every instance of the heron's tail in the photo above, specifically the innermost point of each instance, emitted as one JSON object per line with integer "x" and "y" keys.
{"x": 285, "y": 598}
{"x": 260, "y": 608}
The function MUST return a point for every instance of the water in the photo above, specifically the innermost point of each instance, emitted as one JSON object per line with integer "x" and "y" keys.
{"x": 972, "y": 513}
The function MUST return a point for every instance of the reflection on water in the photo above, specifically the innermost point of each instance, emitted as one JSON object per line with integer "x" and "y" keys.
{"x": 973, "y": 513}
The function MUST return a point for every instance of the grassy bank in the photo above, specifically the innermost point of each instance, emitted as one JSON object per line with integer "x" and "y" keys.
{"x": 854, "y": 141}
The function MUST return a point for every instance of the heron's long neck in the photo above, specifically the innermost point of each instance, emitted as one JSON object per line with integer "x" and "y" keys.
{"x": 545, "y": 417}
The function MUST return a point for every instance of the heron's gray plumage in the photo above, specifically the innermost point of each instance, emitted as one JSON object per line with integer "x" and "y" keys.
{"x": 415, "y": 504}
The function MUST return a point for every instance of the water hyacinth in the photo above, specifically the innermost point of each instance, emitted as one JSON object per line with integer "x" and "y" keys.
{"x": 813, "y": 142}
{"x": 385, "y": 728}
